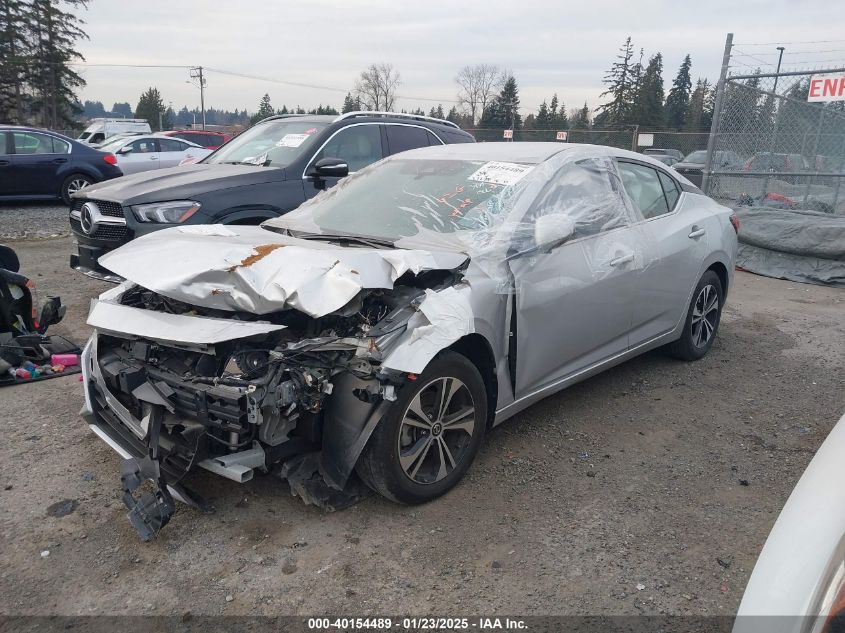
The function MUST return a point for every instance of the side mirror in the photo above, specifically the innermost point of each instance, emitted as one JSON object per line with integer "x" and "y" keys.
{"x": 331, "y": 168}
{"x": 124, "y": 150}
{"x": 552, "y": 230}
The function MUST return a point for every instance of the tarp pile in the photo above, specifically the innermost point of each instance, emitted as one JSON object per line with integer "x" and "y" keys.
{"x": 795, "y": 244}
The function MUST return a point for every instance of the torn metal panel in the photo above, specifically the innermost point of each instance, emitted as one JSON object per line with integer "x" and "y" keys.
{"x": 444, "y": 317}
{"x": 251, "y": 269}
{"x": 177, "y": 328}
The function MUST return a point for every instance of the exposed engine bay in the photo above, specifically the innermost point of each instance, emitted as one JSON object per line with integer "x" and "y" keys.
{"x": 297, "y": 399}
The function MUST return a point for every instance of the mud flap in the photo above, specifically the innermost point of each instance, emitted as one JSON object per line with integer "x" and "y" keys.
{"x": 151, "y": 511}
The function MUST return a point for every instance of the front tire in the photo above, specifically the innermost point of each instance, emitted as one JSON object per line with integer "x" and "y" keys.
{"x": 703, "y": 318}
{"x": 72, "y": 184}
{"x": 430, "y": 435}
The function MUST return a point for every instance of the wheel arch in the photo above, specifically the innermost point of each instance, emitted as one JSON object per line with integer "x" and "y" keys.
{"x": 477, "y": 350}
{"x": 722, "y": 273}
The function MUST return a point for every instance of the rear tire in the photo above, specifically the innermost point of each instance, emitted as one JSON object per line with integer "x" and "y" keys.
{"x": 702, "y": 322}
{"x": 422, "y": 448}
{"x": 74, "y": 183}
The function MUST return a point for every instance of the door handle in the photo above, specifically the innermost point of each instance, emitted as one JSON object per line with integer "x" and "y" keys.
{"x": 3, "y": 163}
{"x": 153, "y": 157}
{"x": 58, "y": 161}
{"x": 696, "y": 233}
{"x": 622, "y": 260}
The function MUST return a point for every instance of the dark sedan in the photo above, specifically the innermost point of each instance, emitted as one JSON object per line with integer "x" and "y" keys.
{"x": 36, "y": 164}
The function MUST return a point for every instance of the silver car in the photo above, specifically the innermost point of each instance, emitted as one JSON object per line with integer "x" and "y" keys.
{"x": 378, "y": 331}
{"x": 142, "y": 152}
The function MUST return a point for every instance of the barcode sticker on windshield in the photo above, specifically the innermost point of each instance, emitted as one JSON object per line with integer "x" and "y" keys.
{"x": 292, "y": 140}
{"x": 501, "y": 173}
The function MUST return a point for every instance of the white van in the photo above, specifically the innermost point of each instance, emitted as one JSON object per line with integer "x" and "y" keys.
{"x": 99, "y": 130}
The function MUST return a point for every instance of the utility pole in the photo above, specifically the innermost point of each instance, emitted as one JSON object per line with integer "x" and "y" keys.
{"x": 196, "y": 73}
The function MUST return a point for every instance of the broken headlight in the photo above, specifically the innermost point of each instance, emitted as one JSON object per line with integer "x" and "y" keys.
{"x": 166, "y": 212}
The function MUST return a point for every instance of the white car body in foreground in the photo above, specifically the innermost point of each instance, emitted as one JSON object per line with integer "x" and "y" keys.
{"x": 798, "y": 582}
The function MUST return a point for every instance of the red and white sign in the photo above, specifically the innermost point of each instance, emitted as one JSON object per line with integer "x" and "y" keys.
{"x": 509, "y": 134}
{"x": 561, "y": 136}
{"x": 827, "y": 88}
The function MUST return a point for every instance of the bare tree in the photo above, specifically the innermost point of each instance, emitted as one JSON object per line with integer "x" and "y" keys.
{"x": 376, "y": 87}
{"x": 477, "y": 86}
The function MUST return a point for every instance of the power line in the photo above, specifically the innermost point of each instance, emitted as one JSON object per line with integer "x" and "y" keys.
{"x": 232, "y": 73}
{"x": 785, "y": 43}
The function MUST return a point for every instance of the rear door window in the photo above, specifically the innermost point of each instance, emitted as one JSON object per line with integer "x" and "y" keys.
{"x": 172, "y": 145}
{"x": 401, "y": 138}
{"x": 670, "y": 188}
{"x": 432, "y": 139}
{"x": 32, "y": 143}
{"x": 143, "y": 146}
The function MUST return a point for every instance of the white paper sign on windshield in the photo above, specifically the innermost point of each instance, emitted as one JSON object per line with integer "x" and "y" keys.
{"x": 292, "y": 140}
{"x": 501, "y": 173}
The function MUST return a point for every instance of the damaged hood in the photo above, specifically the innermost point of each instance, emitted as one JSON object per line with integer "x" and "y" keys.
{"x": 178, "y": 183}
{"x": 251, "y": 269}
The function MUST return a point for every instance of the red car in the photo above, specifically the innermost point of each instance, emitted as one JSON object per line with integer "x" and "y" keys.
{"x": 206, "y": 138}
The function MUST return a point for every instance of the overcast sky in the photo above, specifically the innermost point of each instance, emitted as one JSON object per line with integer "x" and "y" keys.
{"x": 551, "y": 46}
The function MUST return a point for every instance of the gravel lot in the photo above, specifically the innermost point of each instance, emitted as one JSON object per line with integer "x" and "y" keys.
{"x": 621, "y": 495}
{"x": 32, "y": 221}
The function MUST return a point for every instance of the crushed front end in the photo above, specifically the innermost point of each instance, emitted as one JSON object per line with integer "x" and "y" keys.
{"x": 173, "y": 387}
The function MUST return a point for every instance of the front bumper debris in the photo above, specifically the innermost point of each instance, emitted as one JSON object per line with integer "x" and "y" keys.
{"x": 150, "y": 511}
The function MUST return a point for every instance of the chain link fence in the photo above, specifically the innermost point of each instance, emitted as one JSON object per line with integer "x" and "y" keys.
{"x": 772, "y": 147}
{"x": 628, "y": 138}
{"x": 776, "y": 155}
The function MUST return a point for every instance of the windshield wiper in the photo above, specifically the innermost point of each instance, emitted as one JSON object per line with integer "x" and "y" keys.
{"x": 372, "y": 242}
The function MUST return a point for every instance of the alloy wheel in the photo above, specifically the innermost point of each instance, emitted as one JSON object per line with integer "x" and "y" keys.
{"x": 77, "y": 184}
{"x": 436, "y": 430}
{"x": 705, "y": 316}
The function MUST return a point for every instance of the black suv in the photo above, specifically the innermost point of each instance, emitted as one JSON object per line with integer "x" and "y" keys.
{"x": 270, "y": 169}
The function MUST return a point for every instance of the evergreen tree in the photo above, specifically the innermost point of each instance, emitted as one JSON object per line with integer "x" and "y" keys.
{"x": 122, "y": 109}
{"x": 150, "y": 107}
{"x": 93, "y": 109}
{"x": 265, "y": 109}
{"x": 648, "y": 103}
{"x": 350, "y": 104}
{"x": 15, "y": 48}
{"x": 543, "y": 119}
{"x": 437, "y": 112}
{"x": 677, "y": 102}
{"x": 581, "y": 119}
{"x": 697, "y": 119}
{"x": 55, "y": 33}
{"x": 557, "y": 112}
{"x": 709, "y": 105}
{"x": 503, "y": 111}
{"x": 619, "y": 83}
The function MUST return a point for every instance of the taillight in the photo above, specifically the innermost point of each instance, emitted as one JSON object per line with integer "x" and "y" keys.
{"x": 788, "y": 164}
{"x": 735, "y": 222}
{"x": 747, "y": 165}
{"x": 111, "y": 159}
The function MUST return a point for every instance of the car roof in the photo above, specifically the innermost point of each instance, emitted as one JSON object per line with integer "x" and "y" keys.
{"x": 522, "y": 152}
{"x": 189, "y": 131}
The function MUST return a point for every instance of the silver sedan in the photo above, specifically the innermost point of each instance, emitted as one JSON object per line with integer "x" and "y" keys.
{"x": 143, "y": 152}
{"x": 384, "y": 326}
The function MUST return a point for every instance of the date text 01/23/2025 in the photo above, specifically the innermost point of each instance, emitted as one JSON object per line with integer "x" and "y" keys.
{"x": 416, "y": 624}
